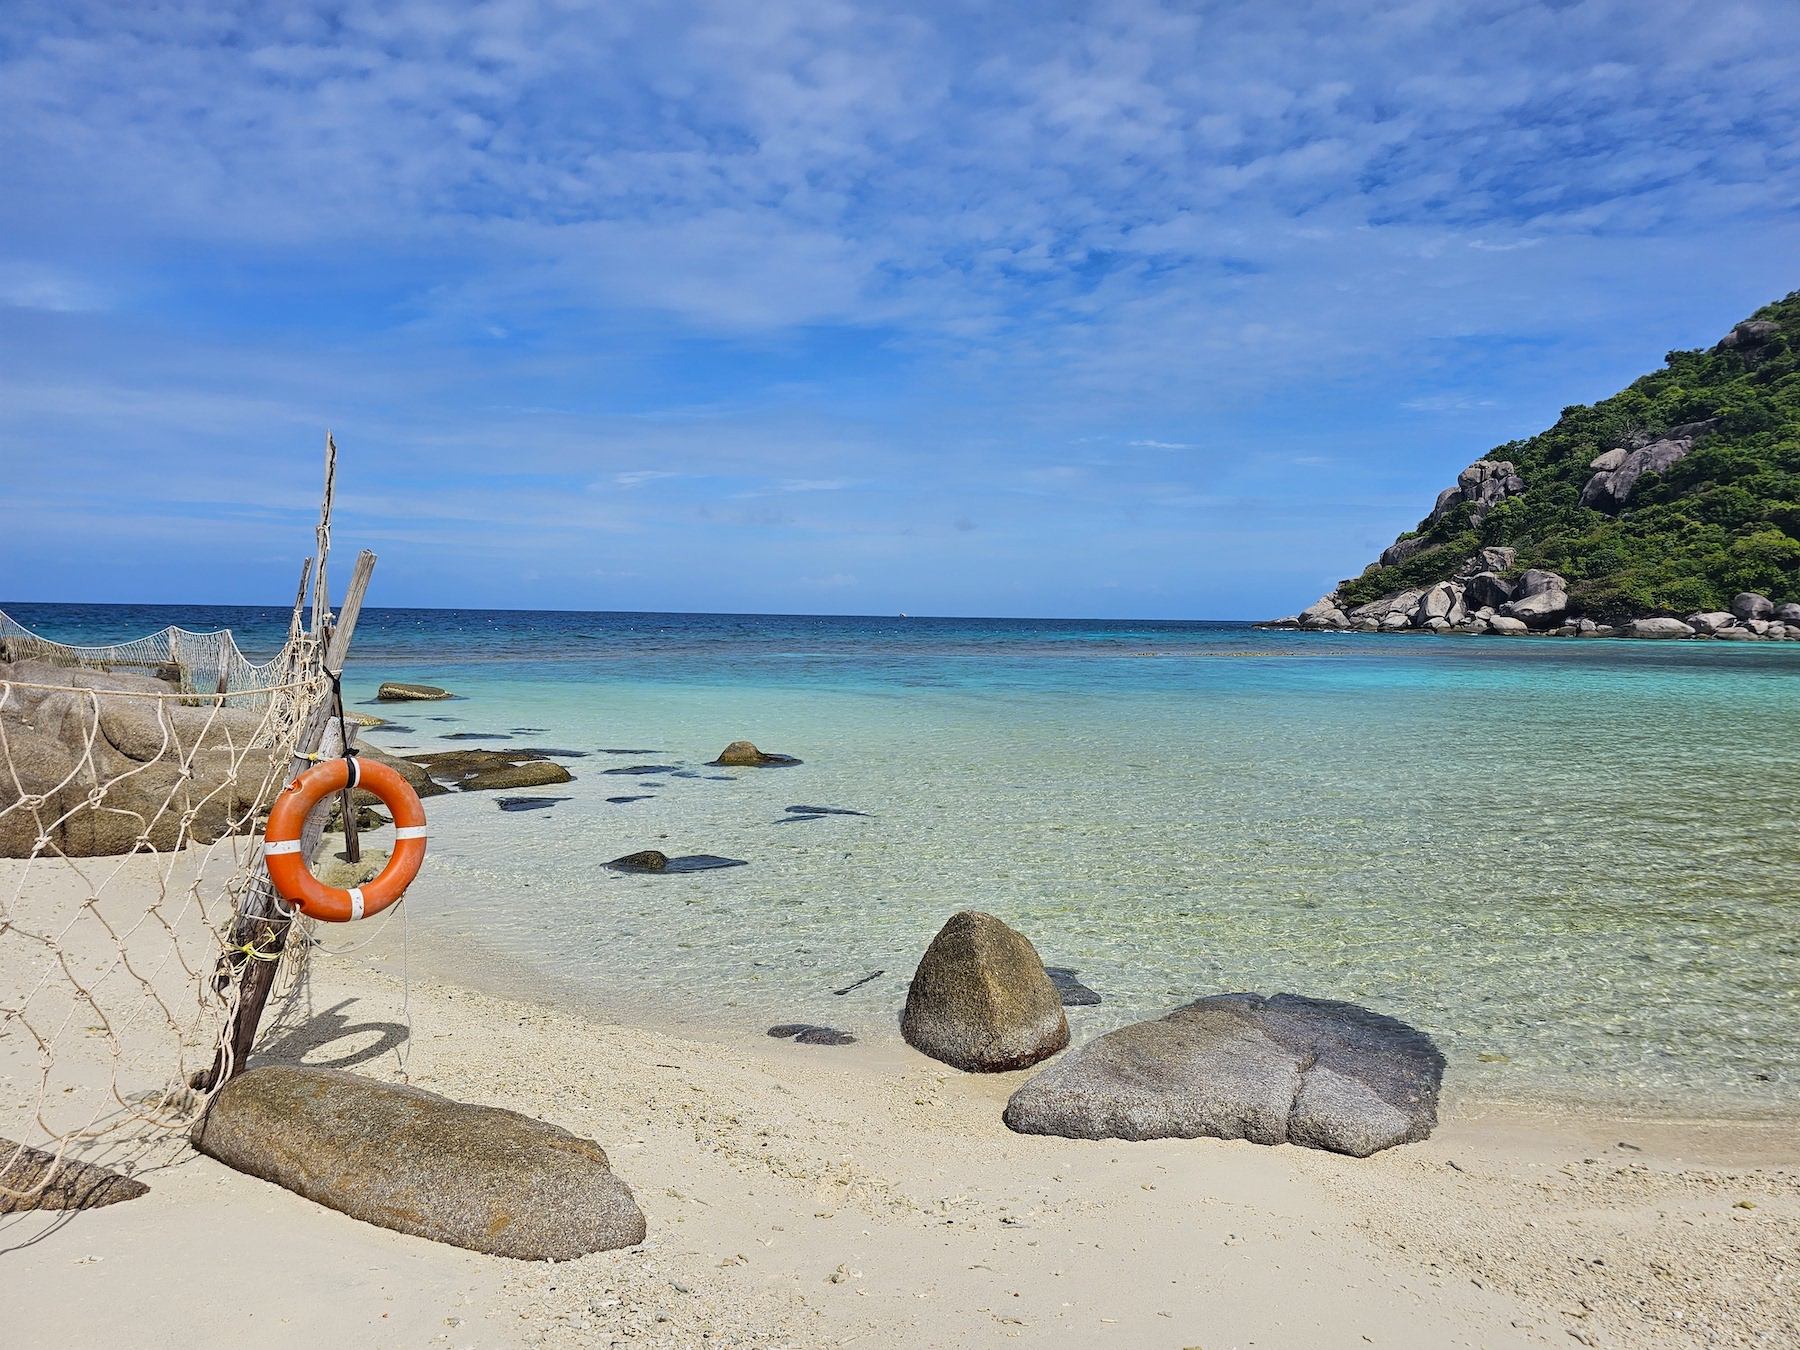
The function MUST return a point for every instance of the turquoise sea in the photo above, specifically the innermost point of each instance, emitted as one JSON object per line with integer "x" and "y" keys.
{"x": 1574, "y": 863}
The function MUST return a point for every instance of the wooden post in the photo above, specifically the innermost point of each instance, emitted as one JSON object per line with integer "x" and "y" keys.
{"x": 260, "y": 924}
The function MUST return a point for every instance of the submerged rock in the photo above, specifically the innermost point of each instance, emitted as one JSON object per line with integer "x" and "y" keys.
{"x": 1284, "y": 1069}
{"x": 529, "y": 803}
{"x": 805, "y": 1033}
{"x": 744, "y": 755}
{"x": 394, "y": 691}
{"x": 473, "y": 1176}
{"x": 71, "y": 1184}
{"x": 1073, "y": 992}
{"x": 486, "y": 770}
{"x": 980, "y": 1000}
{"x": 655, "y": 860}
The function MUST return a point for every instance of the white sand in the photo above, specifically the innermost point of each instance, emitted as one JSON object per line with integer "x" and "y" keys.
{"x": 865, "y": 1195}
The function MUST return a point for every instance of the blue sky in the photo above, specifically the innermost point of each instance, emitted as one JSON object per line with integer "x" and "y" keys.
{"x": 1128, "y": 309}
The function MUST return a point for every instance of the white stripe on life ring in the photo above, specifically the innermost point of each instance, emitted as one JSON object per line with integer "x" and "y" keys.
{"x": 355, "y": 772}
{"x": 270, "y": 849}
{"x": 410, "y": 832}
{"x": 356, "y": 903}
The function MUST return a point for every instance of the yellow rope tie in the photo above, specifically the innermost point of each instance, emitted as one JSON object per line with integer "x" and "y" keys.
{"x": 255, "y": 953}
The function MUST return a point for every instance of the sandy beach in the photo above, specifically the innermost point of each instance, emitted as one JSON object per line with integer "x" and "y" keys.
{"x": 810, "y": 1196}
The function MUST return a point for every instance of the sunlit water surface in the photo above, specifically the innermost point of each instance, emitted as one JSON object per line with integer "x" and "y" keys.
{"x": 1574, "y": 863}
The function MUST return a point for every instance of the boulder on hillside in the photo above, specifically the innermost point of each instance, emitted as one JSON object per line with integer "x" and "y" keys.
{"x": 473, "y": 1176}
{"x": 1486, "y": 483}
{"x": 1658, "y": 628}
{"x": 1286, "y": 1069}
{"x": 1749, "y": 605}
{"x": 1487, "y": 590}
{"x": 1404, "y": 550}
{"x": 1750, "y": 339}
{"x": 1609, "y": 490}
{"x": 980, "y": 999}
{"x": 1493, "y": 558}
{"x": 1535, "y": 581}
{"x": 396, "y": 691}
{"x": 744, "y": 755}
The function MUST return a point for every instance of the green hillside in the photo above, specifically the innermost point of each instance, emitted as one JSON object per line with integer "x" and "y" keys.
{"x": 1723, "y": 519}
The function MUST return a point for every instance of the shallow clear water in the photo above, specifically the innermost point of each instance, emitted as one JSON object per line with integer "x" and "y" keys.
{"x": 1575, "y": 859}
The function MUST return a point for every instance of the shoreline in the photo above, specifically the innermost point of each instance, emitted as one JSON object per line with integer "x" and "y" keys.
{"x": 819, "y": 1196}
{"x": 498, "y": 972}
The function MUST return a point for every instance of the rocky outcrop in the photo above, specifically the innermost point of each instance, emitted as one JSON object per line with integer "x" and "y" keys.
{"x": 1618, "y": 470}
{"x": 472, "y": 1176}
{"x": 980, "y": 1000}
{"x": 1285, "y": 1069}
{"x": 33, "y": 1179}
{"x": 395, "y": 691}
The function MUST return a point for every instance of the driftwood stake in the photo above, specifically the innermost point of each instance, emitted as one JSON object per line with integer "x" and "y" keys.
{"x": 261, "y": 927}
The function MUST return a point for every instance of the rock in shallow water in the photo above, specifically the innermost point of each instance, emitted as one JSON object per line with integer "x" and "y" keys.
{"x": 1073, "y": 992}
{"x": 980, "y": 1000}
{"x": 742, "y": 754}
{"x": 805, "y": 1033}
{"x": 1285, "y": 1069}
{"x": 655, "y": 860}
{"x": 473, "y": 1176}
{"x": 395, "y": 691}
{"x": 529, "y": 803}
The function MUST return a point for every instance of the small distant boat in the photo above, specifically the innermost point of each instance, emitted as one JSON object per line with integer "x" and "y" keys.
{"x": 903, "y": 614}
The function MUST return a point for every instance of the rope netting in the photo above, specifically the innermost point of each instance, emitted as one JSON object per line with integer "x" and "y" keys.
{"x": 134, "y": 780}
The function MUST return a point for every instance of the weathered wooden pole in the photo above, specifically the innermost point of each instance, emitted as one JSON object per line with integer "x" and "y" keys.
{"x": 260, "y": 931}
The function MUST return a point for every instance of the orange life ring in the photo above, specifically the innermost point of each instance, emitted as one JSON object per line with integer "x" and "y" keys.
{"x": 294, "y": 880}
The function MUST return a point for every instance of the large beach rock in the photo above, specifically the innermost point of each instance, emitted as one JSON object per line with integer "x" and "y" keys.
{"x": 1507, "y": 627}
{"x": 30, "y": 1179}
{"x": 396, "y": 691}
{"x": 1658, "y": 628}
{"x": 1788, "y": 614}
{"x": 980, "y": 999}
{"x": 482, "y": 770}
{"x": 1544, "y": 609}
{"x": 473, "y": 1176}
{"x": 1285, "y": 1069}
